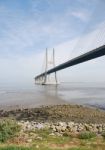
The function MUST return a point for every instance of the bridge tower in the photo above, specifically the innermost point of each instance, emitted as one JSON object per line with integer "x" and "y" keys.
{"x": 48, "y": 79}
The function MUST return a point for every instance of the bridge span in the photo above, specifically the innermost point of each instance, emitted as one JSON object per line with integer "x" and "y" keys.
{"x": 95, "y": 53}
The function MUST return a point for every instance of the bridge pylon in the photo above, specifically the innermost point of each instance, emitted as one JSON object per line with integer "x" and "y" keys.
{"x": 48, "y": 79}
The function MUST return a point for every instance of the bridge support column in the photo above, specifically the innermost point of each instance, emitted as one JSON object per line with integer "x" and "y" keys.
{"x": 47, "y": 79}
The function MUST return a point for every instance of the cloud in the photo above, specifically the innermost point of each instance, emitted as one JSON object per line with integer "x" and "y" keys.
{"x": 23, "y": 69}
{"x": 22, "y": 35}
{"x": 84, "y": 16}
{"x": 25, "y": 35}
{"x": 25, "y": 32}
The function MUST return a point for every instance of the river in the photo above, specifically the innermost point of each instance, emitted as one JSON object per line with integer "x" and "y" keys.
{"x": 36, "y": 95}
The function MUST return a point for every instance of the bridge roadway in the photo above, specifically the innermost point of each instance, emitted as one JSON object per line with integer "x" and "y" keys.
{"x": 98, "y": 52}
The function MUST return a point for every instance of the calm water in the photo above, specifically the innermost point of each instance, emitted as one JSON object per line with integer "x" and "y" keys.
{"x": 36, "y": 95}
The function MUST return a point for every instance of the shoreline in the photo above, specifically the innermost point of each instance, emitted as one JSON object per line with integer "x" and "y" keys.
{"x": 54, "y": 113}
{"x": 65, "y": 126}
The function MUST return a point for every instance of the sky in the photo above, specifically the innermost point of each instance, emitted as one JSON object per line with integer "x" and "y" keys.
{"x": 28, "y": 27}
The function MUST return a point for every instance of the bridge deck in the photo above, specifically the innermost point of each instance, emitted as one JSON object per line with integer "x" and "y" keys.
{"x": 98, "y": 52}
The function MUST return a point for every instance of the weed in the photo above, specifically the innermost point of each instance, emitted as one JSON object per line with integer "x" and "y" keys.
{"x": 103, "y": 134}
{"x": 87, "y": 135}
{"x": 8, "y": 128}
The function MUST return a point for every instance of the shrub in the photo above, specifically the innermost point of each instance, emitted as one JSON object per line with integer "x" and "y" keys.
{"x": 8, "y": 129}
{"x": 103, "y": 134}
{"x": 86, "y": 135}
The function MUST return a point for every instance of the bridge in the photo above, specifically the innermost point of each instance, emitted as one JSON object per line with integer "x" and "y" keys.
{"x": 95, "y": 53}
{"x": 93, "y": 45}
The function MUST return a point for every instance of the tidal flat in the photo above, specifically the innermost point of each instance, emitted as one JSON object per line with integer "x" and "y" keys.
{"x": 53, "y": 113}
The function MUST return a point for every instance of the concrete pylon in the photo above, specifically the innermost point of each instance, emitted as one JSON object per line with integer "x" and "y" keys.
{"x": 50, "y": 78}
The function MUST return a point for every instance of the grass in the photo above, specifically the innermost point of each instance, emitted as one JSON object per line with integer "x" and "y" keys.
{"x": 15, "y": 148}
{"x": 53, "y": 142}
{"x": 103, "y": 135}
{"x": 8, "y": 129}
{"x": 89, "y": 141}
{"x": 48, "y": 140}
{"x": 87, "y": 135}
{"x": 26, "y": 148}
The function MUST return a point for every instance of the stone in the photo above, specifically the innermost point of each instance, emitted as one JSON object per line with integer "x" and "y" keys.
{"x": 100, "y": 130}
{"x": 70, "y": 124}
{"x": 53, "y": 127}
{"x": 63, "y": 128}
{"x": 38, "y": 138}
{"x": 39, "y": 126}
{"x": 88, "y": 127}
{"x": 58, "y": 134}
{"x": 74, "y": 129}
{"x": 62, "y": 124}
{"x": 37, "y": 146}
{"x": 52, "y": 134}
{"x": 58, "y": 128}
{"x": 29, "y": 140}
{"x": 80, "y": 128}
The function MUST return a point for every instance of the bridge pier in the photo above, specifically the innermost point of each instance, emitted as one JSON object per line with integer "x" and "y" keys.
{"x": 46, "y": 79}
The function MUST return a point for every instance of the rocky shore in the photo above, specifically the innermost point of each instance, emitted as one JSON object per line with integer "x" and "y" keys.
{"x": 59, "y": 118}
{"x": 58, "y": 113}
{"x": 60, "y": 128}
{"x": 55, "y": 127}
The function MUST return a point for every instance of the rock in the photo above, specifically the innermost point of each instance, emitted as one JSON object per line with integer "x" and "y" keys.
{"x": 37, "y": 146}
{"x": 58, "y": 128}
{"x": 62, "y": 124}
{"x": 38, "y": 138}
{"x": 88, "y": 127}
{"x": 80, "y": 128}
{"x": 70, "y": 124}
{"x": 58, "y": 134}
{"x": 47, "y": 125}
{"x": 39, "y": 126}
{"x": 63, "y": 129}
{"x": 29, "y": 140}
{"x": 100, "y": 129}
{"x": 53, "y": 127}
{"x": 74, "y": 129}
{"x": 52, "y": 134}
{"x": 95, "y": 129}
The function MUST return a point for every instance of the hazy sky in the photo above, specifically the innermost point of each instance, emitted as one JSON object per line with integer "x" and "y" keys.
{"x": 27, "y": 27}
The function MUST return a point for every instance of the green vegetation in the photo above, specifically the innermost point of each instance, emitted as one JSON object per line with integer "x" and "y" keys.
{"x": 46, "y": 148}
{"x": 45, "y": 140}
{"x": 87, "y": 135}
{"x": 26, "y": 148}
{"x": 14, "y": 148}
{"x": 8, "y": 129}
{"x": 103, "y": 134}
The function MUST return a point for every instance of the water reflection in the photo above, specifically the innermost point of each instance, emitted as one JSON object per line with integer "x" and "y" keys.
{"x": 36, "y": 95}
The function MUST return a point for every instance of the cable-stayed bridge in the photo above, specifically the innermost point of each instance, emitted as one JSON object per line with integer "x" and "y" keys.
{"x": 97, "y": 51}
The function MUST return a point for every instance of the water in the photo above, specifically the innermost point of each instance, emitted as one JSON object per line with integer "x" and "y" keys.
{"x": 36, "y": 95}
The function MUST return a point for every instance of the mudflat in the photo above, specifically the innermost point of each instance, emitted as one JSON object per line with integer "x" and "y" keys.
{"x": 53, "y": 113}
